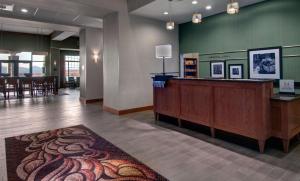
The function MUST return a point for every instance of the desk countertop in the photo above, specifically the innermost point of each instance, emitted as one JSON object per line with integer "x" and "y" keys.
{"x": 225, "y": 80}
{"x": 282, "y": 97}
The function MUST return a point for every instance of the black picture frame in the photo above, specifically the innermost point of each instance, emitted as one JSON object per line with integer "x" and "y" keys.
{"x": 278, "y": 76}
{"x": 212, "y": 75}
{"x": 235, "y": 65}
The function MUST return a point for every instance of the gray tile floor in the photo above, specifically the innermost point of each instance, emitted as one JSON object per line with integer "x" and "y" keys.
{"x": 179, "y": 154}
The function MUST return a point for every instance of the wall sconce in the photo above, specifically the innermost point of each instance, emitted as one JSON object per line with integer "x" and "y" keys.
{"x": 82, "y": 67}
{"x": 54, "y": 63}
{"x": 96, "y": 56}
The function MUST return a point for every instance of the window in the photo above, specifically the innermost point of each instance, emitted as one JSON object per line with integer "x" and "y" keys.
{"x": 5, "y": 68}
{"x": 38, "y": 65}
{"x": 24, "y": 68}
{"x": 72, "y": 64}
{"x": 28, "y": 63}
{"x": 4, "y": 56}
{"x": 26, "y": 56}
{"x": 72, "y": 58}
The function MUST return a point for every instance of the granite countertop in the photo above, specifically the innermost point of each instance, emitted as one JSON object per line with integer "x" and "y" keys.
{"x": 229, "y": 80}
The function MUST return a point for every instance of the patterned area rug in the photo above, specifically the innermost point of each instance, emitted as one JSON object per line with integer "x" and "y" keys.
{"x": 71, "y": 154}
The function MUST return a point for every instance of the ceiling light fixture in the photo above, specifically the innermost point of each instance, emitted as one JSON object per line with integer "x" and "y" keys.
{"x": 197, "y": 18}
{"x": 208, "y": 7}
{"x": 6, "y": 7}
{"x": 23, "y": 10}
{"x": 233, "y": 7}
{"x": 194, "y": 2}
{"x": 170, "y": 24}
{"x": 166, "y": 13}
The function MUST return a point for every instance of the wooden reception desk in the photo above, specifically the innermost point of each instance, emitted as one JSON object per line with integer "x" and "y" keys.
{"x": 285, "y": 118}
{"x": 237, "y": 106}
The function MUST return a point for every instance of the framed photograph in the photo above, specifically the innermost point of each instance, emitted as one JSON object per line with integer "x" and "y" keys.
{"x": 265, "y": 63}
{"x": 236, "y": 71}
{"x": 217, "y": 69}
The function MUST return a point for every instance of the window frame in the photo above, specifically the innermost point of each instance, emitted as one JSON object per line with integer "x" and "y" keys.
{"x": 18, "y": 62}
{"x": 71, "y": 59}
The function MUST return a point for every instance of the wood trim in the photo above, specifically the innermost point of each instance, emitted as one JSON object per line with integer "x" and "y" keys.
{"x": 111, "y": 110}
{"x": 89, "y": 101}
{"x": 126, "y": 111}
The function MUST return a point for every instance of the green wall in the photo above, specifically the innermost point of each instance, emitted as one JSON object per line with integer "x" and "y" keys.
{"x": 266, "y": 24}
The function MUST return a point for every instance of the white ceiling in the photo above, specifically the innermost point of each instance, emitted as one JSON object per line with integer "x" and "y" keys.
{"x": 182, "y": 10}
{"x": 33, "y": 27}
{"x": 65, "y": 12}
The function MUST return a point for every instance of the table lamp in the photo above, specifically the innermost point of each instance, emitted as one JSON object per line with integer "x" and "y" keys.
{"x": 163, "y": 52}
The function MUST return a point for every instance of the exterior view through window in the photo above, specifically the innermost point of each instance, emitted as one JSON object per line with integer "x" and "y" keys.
{"x": 72, "y": 64}
{"x": 27, "y": 63}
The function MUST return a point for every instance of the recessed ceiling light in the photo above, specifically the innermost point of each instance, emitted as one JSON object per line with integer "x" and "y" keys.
{"x": 23, "y": 10}
{"x": 194, "y": 2}
{"x": 166, "y": 13}
{"x": 208, "y": 7}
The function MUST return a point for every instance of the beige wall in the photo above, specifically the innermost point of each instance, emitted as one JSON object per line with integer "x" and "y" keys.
{"x": 91, "y": 80}
{"x": 129, "y": 52}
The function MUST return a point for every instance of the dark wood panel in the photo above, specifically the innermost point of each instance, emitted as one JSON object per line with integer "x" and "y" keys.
{"x": 276, "y": 115}
{"x": 285, "y": 120}
{"x": 196, "y": 103}
{"x": 235, "y": 110}
{"x": 294, "y": 117}
{"x": 166, "y": 100}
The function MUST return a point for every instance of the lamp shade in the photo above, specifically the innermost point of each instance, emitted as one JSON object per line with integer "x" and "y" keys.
{"x": 163, "y": 51}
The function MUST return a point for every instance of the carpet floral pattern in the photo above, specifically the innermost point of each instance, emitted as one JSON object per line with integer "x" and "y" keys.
{"x": 71, "y": 154}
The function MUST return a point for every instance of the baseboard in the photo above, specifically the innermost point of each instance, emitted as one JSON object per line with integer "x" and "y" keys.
{"x": 127, "y": 111}
{"x": 111, "y": 110}
{"x": 89, "y": 101}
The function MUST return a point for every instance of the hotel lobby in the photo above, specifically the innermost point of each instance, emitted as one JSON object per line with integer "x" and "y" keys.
{"x": 150, "y": 90}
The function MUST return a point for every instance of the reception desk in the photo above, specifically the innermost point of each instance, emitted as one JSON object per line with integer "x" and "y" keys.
{"x": 285, "y": 118}
{"x": 236, "y": 106}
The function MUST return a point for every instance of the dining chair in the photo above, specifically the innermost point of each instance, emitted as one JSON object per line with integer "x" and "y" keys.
{"x": 39, "y": 86}
{"x": 49, "y": 85}
{"x": 26, "y": 86}
{"x": 12, "y": 86}
{"x": 3, "y": 87}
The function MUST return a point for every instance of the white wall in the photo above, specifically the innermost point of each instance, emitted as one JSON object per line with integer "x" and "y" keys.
{"x": 94, "y": 68}
{"x": 111, "y": 60}
{"x": 82, "y": 45}
{"x": 131, "y": 52}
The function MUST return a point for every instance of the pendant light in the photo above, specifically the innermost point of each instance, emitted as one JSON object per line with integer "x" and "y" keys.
{"x": 197, "y": 18}
{"x": 170, "y": 24}
{"x": 233, "y": 7}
